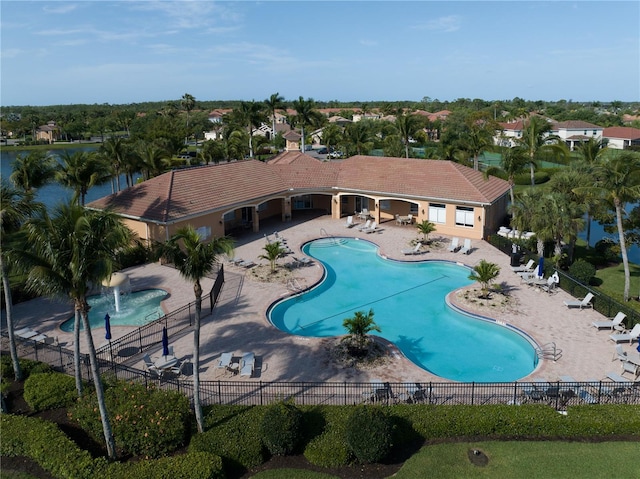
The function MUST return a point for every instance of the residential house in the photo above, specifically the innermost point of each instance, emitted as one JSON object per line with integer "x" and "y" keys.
{"x": 621, "y": 137}
{"x": 229, "y": 198}
{"x": 576, "y": 132}
{"x": 48, "y": 133}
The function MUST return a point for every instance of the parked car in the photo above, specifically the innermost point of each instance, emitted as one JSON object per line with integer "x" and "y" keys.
{"x": 323, "y": 151}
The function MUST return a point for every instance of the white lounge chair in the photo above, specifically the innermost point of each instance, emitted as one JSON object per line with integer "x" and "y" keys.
{"x": 453, "y": 247}
{"x": 349, "y": 223}
{"x": 628, "y": 336}
{"x": 225, "y": 360}
{"x": 246, "y": 364}
{"x": 372, "y": 228}
{"x": 528, "y": 268}
{"x": 415, "y": 250}
{"x": 620, "y": 353}
{"x": 580, "y": 303}
{"x": 466, "y": 249}
{"x": 247, "y": 264}
{"x": 610, "y": 323}
{"x": 26, "y": 333}
{"x": 150, "y": 366}
{"x": 629, "y": 367}
{"x": 364, "y": 226}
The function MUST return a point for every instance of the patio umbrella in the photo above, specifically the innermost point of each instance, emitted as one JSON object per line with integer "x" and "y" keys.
{"x": 540, "y": 271}
{"x": 165, "y": 342}
{"x": 107, "y": 327}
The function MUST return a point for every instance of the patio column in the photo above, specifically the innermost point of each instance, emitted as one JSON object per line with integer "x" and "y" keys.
{"x": 335, "y": 207}
{"x": 256, "y": 220}
{"x": 286, "y": 209}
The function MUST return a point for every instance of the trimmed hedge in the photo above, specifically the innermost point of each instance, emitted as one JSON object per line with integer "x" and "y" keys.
{"x": 43, "y": 442}
{"x": 27, "y": 366}
{"x": 233, "y": 434}
{"x": 369, "y": 434}
{"x": 329, "y": 448}
{"x": 281, "y": 428}
{"x": 145, "y": 421}
{"x": 44, "y": 391}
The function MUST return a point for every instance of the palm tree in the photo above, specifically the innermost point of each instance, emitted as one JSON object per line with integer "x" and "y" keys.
{"x": 306, "y": 115}
{"x": 426, "y": 227}
{"x": 407, "y": 126}
{"x": 195, "y": 259}
{"x": 359, "y": 326}
{"x": 536, "y": 140}
{"x": 478, "y": 139}
{"x": 331, "y": 136}
{"x": 153, "y": 159}
{"x": 114, "y": 152}
{"x": 484, "y": 273}
{"x": 590, "y": 152}
{"x": 618, "y": 182}
{"x": 32, "y": 171}
{"x": 250, "y": 115}
{"x": 358, "y": 136}
{"x": 80, "y": 171}
{"x": 16, "y": 207}
{"x": 188, "y": 103}
{"x": 273, "y": 251}
{"x": 274, "y": 103}
{"x": 513, "y": 162}
{"x": 69, "y": 253}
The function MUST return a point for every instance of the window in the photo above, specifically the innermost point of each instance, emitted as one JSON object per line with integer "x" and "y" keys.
{"x": 204, "y": 232}
{"x": 464, "y": 216}
{"x": 385, "y": 205}
{"x": 263, "y": 206}
{"x": 437, "y": 213}
{"x": 302, "y": 202}
{"x": 230, "y": 216}
{"x": 413, "y": 209}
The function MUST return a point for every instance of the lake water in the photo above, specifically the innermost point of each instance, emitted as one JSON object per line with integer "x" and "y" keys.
{"x": 54, "y": 193}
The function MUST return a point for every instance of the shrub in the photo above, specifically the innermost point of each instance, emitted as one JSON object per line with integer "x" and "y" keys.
{"x": 582, "y": 271}
{"x": 49, "y": 390}
{"x": 28, "y": 367}
{"x": 234, "y": 435}
{"x": 145, "y": 421}
{"x": 369, "y": 434}
{"x": 608, "y": 249}
{"x": 281, "y": 428}
{"x": 194, "y": 465}
{"x": 329, "y": 448}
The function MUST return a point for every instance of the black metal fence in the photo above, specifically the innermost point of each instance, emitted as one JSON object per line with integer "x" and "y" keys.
{"x": 602, "y": 303}
{"x": 558, "y": 395}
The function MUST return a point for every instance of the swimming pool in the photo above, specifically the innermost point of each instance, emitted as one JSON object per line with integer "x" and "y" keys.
{"x": 408, "y": 301}
{"x": 136, "y": 309}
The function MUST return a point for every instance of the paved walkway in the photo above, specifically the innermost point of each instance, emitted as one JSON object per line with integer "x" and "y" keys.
{"x": 239, "y": 322}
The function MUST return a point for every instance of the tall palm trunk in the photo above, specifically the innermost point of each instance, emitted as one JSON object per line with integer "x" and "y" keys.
{"x": 15, "y": 360}
{"x": 83, "y": 307}
{"x": 623, "y": 248}
{"x": 197, "y": 289}
{"x": 76, "y": 352}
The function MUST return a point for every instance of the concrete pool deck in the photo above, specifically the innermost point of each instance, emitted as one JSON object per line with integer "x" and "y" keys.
{"x": 239, "y": 322}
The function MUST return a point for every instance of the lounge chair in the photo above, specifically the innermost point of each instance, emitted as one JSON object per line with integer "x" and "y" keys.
{"x": 372, "y": 228}
{"x": 246, "y": 364}
{"x": 247, "y": 264}
{"x": 610, "y": 323}
{"x": 528, "y": 268}
{"x": 620, "y": 353}
{"x": 349, "y": 223}
{"x": 26, "y": 333}
{"x": 453, "y": 247}
{"x": 364, "y": 226}
{"x": 179, "y": 368}
{"x": 225, "y": 360}
{"x": 415, "y": 250}
{"x": 466, "y": 249}
{"x": 627, "y": 336}
{"x": 301, "y": 261}
{"x": 580, "y": 303}
{"x": 615, "y": 377}
{"x": 150, "y": 366}
{"x": 629, "y": 367}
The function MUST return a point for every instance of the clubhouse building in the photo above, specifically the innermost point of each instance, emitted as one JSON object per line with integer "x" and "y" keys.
{"x": 230, "y": 198}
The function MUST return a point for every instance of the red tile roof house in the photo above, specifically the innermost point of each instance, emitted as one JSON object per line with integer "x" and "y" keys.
{"x": 621, "y": 137}
{"x": 575, "y": 132}
{"x": 221, "y": 199}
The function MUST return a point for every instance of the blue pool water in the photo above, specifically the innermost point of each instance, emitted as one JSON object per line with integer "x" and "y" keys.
{"x": 136, "y": 309}
{"x": 408, "y": 301}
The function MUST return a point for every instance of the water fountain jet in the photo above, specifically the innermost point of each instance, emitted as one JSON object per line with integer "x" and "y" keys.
{"x": 116, "y": 281}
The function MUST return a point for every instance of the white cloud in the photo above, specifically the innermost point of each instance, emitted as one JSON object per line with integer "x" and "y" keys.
{"x": 450, "y": 23}
{"x": 60, "y": 8}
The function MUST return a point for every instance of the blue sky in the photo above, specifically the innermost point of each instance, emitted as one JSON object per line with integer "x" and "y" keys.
{"x": 119, "y": 52}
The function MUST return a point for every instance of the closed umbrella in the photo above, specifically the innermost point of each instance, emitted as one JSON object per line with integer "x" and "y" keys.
{"x": 107, "y": 326}
{"x": 165, "y": 342}
{"x": 540, "y": 272}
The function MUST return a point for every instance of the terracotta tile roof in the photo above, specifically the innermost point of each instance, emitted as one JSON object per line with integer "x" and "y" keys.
{"x": 625, "y": 132}
{"x": 196, "y": 191}
{"x": 433, "y": 179}
{"x": 514, "y": 125}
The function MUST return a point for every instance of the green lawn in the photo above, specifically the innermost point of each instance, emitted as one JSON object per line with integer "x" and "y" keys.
{"x": 612, "y": 279}
{"x": 526, "y": 460}
{"x": 511, "y": 459}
